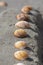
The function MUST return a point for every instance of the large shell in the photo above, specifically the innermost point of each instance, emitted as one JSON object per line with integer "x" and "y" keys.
{"x": 20, "y": 33}
{"x": 22, "y": 16}
{"x": 26, "y": 9}
{"x": 20, "y": 44}
{"x": 3, "y": 4}
{"x": 22, "y": 24}
{"x": 21, "y": 55}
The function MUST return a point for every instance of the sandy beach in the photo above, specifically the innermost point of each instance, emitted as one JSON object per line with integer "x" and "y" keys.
{"x": 7, "y": 27}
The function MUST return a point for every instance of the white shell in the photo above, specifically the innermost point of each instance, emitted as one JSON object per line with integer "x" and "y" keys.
{"x": 20, "y": 64}
{"x": 22, "y": 24}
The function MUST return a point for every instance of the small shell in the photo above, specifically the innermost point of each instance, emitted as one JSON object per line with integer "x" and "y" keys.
{"x": 19, "y": 64}
{"x": 22, "y": 24}
{"x": 3, "y": 4}
{"x": 20, "y": 44}
{"x": 21, "y": 55}
{"x": 20, "y": 33}
{"x": 22, "y": 16}
{"x": 26, "y": 9}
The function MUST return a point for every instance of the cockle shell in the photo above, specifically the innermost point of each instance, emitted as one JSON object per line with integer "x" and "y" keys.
{"x": 22, "y": 24}
{"x": 20, "y": 33}
{"x": 21, "y": 55}
{"x": 22, "y": 16}
{"x": 20, "y": 44}
{"x": 26, "y": 9}
{"x": 3, "y": 4}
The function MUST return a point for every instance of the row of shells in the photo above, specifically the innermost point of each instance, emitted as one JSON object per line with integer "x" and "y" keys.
{"x": 22, "y": 23}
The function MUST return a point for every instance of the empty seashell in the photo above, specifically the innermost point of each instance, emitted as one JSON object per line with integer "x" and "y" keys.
{"x": 21, "y": 55}
{"x": 20, "y": 44}
{"x": 20, "y": 33}
{"x": 26, "y": 9}
{"x": 19, "y": 64}
{"x": 22, "y": 16}
{"x": 3, "y": 4}
{"x": 22, "y": 24}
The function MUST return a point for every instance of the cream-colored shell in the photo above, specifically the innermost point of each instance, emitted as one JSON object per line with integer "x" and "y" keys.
{"x": 26, "y": 9}
{"x": 20, "y": 33}
{"x": 21, "y": 55}
{"x": 3, "y": 4}
{"x": 19, "y": 64}
{"x": 22, "y": 16}
{"x": 20, "y": 44}
{"x": 22, "y": 24}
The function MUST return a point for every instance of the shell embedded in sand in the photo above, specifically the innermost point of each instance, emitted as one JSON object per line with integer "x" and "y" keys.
{"x": 22, "y": 16}
{"x": 3, "y": 4}
{"x": 20, "y": 44}
{"x": 26, "y": 9}
{"x": 20, "y": 33}
{"x": 19, "y": 64}
{"x": 21, "y": 55}
{"x": 22, "y": 24}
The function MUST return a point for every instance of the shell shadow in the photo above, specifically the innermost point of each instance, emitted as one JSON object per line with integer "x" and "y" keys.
{"x": 33, "y": 10}
{"x": 28, "y": 48}
{"x": 39, "y": 22}
{"x": 39, "y": 38}
{"x": 29, "y": 59}
{"x": 27, "y": 36}
{"x": 35, "y": 13}
{"x": 34, "y": 30}
{"x": 30, "y": 21}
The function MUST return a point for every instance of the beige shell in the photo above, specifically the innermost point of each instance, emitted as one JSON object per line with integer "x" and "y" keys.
{"x": 20, "y": 33}
{"x": 3, "y": 4}
{"x": 22, "y": 16}
{"x": 22, "y": 24}
{"x": 26, "y": 9}
{"x": 20, "y": 55}
{"x": 20, "y": 44}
